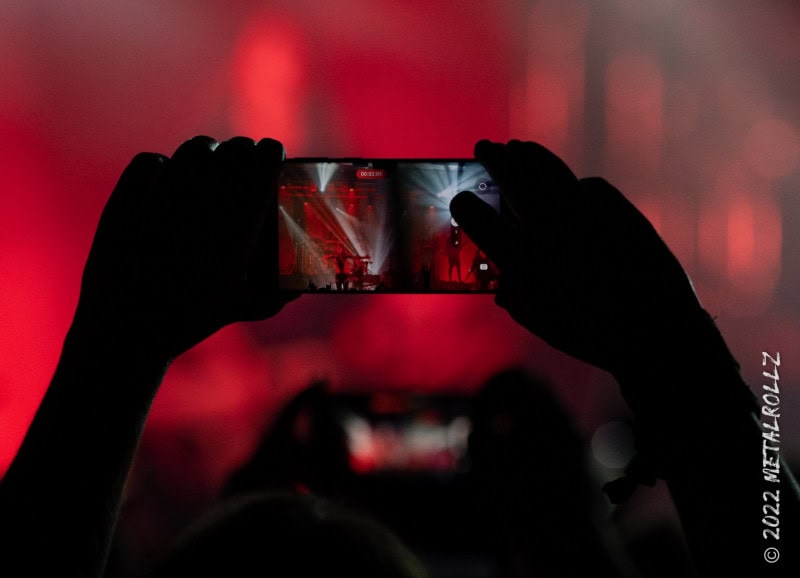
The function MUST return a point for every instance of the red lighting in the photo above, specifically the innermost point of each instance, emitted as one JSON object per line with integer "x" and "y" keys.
{"x": 741, "y": 237}
{"x": 270, "y": 67}
{"x": 634, "y": 108}
{"x": 361, "y": 464}
{"x": 774, "y": 148}
{"x": 388, "y": 403}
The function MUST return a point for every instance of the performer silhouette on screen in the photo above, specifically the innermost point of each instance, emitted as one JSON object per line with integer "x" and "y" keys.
{"x": 340, "y": 258}
{"x": 454, "y": 251}
{"x": 482, "y": 269}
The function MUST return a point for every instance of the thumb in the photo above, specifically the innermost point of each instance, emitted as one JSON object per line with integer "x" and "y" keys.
{"x": 487, "y": 228}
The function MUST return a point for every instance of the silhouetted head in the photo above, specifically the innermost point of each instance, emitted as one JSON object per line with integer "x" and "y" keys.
{"x": 305, "y": 446}
{"x": 288, "y": 536}
{"x": 524, "y": 443}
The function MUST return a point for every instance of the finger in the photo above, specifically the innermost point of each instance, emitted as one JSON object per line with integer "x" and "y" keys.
{"x": 192, "y": 155}
{"x": 198, "y": 145}
{"x": 262, "y": 255}
{"x": 250, "y": 175}
{"x": 490, "y": 231}
{"x": 494, "y": 158}
{"x": 248, "y": 172}
{"x": 543, "y": 181}
{"x": 537, "y": 165}
{"x": 269, "y": 158}
{"x": 188, "y": 170}
{"x": 235, "y": 145}
{"x": 534, "y": 181}
{"x": 272, "y": 150}
{"x": 142, "y": 173}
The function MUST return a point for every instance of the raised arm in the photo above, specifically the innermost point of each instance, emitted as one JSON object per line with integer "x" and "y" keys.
{"x": 184, "y": 246}
{"x": 583, "y": 269}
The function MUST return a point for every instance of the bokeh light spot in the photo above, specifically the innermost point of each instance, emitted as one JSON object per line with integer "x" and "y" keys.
{"x": 612, "y": 444}
{"x": 270, "y": 64}
{"x": 774, "y": 148}
{"x": 634, "y": 108}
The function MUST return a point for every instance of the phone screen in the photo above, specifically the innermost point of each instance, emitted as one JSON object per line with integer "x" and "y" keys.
{"x": 380, "y": 225}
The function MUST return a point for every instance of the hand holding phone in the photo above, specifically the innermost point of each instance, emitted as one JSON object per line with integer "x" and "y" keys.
{"x": 582, "y": 268}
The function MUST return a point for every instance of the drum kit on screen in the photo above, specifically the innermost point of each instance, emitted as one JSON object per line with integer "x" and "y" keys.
{"x": 355, "y": 266}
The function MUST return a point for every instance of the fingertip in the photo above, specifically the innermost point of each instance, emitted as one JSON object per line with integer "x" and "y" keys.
{"x": 199, "y": 142}
{"x": 272, "y": 148}
{"x": 205, "y": 140}
{"x": 144, "y": 165}
{"x": 194, "y": 150}
{"x": 463, "y": 206}
{"x": 460, "y": 199}
{"x": 551, "y": 167}
{"x": 237, "y": 145}
{"x": 485, "y": 148}
{"x": 148, "y": 160}
{"x": 484, "y": 225}
{"x": 481, "y": 145}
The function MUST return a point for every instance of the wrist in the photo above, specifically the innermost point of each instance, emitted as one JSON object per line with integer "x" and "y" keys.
{"x": 690, "y": 404}
{"x": 687, "y": 371}
{"x": 113, "y": 361}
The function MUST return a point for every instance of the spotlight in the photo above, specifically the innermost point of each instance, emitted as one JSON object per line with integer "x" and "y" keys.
{"x": 325, "y": 172}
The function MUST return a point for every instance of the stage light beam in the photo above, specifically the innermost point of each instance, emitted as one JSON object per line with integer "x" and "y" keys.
{"x": 324, "y": 174}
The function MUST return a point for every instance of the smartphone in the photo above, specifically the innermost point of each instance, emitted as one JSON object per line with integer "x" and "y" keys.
{"x": 359, "y": 225}
{"x": 406, "y": 432}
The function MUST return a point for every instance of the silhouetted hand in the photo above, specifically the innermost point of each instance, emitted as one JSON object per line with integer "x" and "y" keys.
{"x": 581, "y": 267}
{"x": 185, "y": 245}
